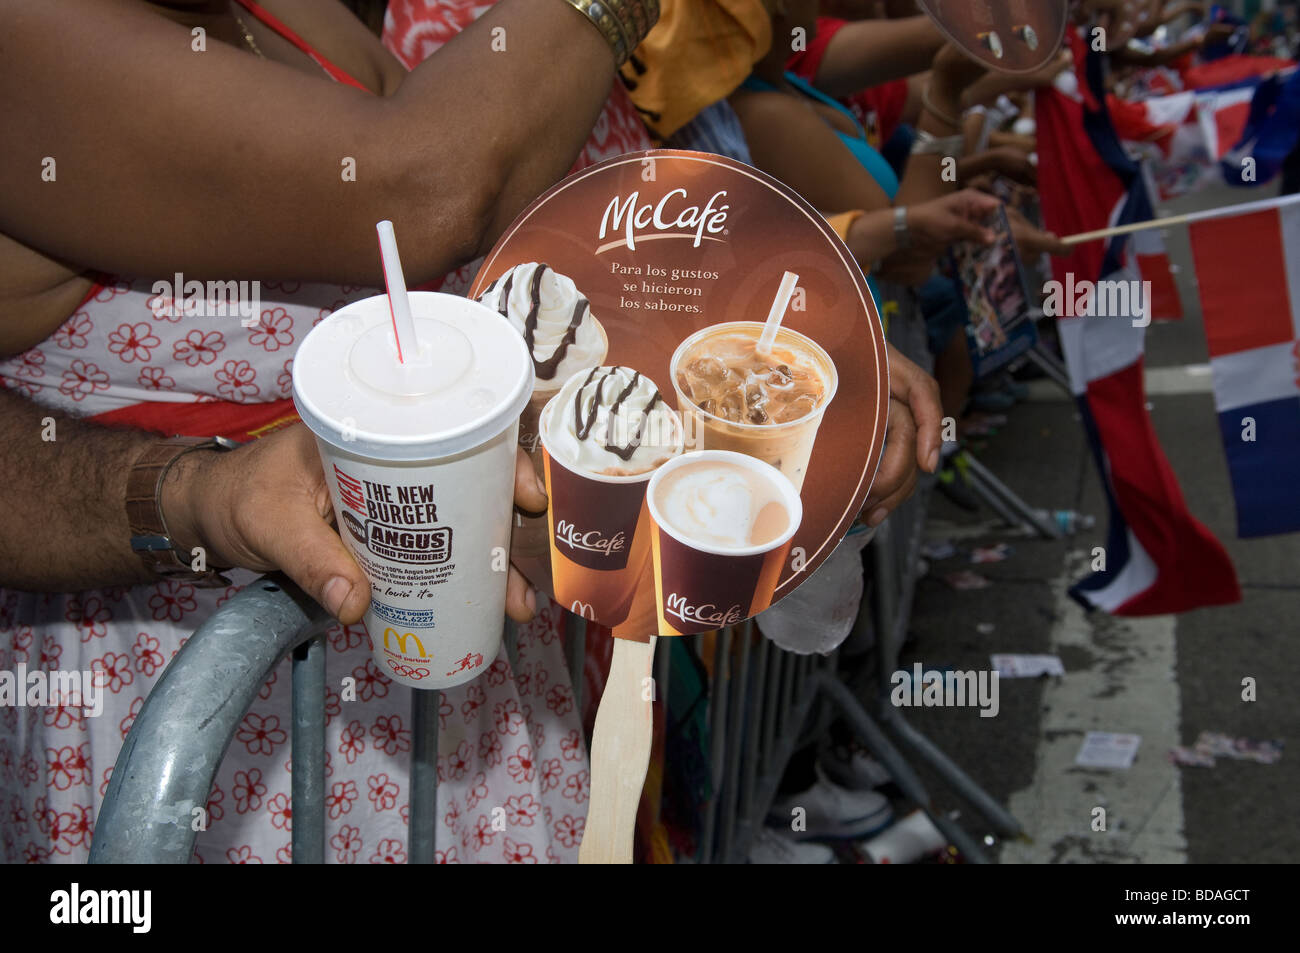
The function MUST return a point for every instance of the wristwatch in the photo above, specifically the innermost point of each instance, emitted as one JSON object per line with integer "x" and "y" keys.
{"x": 902, "y": 237}
{"x": 149, "y": 534}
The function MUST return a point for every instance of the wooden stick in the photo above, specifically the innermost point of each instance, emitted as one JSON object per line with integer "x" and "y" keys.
{"x": 620, "y": 754}
{"x": 1223, "y": 212}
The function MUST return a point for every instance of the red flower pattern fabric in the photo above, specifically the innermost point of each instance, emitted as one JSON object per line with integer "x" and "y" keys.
{"x": 510, "y": 742}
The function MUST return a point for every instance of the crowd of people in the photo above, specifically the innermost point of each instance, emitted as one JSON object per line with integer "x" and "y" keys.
{"x": 233, "y": 139}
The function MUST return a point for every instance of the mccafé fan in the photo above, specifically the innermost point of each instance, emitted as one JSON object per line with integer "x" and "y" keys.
{"x": 686, "y": 316}
{"x": 1010, "y": 36}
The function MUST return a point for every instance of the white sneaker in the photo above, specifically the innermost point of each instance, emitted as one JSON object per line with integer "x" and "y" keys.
{"x": 851, "y": 768}
{"x": 771, "y": 847}
{"x": 832, "y": 811}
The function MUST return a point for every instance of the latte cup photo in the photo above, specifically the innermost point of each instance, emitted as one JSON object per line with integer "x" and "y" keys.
{"x": 721, "y": 526}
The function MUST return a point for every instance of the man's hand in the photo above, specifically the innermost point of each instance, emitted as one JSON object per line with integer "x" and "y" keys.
{"x": 913, "y": 438}
{"x": 266, "y": 506}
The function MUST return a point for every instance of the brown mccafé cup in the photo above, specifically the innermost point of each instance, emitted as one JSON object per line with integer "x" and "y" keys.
{"x": 599, "y": 543}
{"x": 722, "y": 524}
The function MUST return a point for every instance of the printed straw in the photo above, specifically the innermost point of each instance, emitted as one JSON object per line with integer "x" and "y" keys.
{"x": 399, "y": 304}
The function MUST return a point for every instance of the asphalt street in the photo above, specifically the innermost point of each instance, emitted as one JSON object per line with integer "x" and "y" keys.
{"x": 1166, "y": 678}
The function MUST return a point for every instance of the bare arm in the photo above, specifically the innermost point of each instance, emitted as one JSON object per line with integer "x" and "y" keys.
{"x": 793, "y": 143}
{"x": 71, "y": 531}
{"x": 220, "y": 165}
{"x": 924, "y": 178}
{"x": 870, "y": 52}
{"x": 264, "y": 506}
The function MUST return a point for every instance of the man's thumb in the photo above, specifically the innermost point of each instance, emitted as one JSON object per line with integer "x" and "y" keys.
{"x": 315, "y": 558}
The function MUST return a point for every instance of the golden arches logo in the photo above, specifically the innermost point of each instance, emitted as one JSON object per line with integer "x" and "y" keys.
{"x": 401, "y": 641}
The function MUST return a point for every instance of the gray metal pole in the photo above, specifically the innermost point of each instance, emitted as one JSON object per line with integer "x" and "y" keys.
{"x": 307, "y": 751}
{"x": 423, "y": 811}
{"x": 575, "y": 653}
{"x": 736, "y": 723}
{"x": 754, "y": 729}
{"x": 717, "y": 737}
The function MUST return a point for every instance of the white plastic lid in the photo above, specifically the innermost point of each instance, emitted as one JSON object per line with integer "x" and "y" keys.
{"x": 471, "y": 378}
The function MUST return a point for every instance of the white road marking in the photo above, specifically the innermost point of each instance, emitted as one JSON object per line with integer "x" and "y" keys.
{"x": 1128, "y": 686}
{"x": 1160, "y": 382}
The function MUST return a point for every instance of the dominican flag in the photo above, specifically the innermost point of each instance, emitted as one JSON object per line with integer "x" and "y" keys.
{"x": 1269, "y": 133}
{"x": 1158, "y": 557}
{"x": 1193, "y": 139}
{"x": 1248, "y": 267}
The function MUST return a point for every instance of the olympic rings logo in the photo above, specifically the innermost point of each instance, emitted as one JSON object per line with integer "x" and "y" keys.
{"x": 406, "y": 671}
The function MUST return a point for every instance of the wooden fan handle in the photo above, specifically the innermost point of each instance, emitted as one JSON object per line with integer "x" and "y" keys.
{"x": 620, "y": 754}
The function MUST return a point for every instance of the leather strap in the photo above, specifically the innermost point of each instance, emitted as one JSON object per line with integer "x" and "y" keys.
{"x": 150, "y": 536}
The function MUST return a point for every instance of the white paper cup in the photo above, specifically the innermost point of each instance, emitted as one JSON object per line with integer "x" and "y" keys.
{"x": 420, "y": 462}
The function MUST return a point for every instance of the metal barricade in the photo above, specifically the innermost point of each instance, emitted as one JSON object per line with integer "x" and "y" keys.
{"x": 166, "y": 767}
{"x": 765, "y": 703}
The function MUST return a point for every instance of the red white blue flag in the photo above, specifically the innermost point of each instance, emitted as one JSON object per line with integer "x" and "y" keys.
{"x": 1158, "y": 557}
{"x": 1248, "y": 269}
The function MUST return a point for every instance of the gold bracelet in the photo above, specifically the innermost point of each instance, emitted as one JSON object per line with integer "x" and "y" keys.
{"x": 600, "y": 15}
{"x": 935, "y": 111}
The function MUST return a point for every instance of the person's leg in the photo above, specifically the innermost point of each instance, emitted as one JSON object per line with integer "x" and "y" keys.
{"x": 945, "y": 320}
{"x": 955, "y": 374}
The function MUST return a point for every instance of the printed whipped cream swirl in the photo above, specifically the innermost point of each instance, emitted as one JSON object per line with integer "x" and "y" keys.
{"x": 612, "y": 421}
{"x": 555, "y": 319}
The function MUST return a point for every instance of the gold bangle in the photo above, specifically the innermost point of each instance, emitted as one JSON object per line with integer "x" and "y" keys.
{"x": 935, "y": 111}
{"x": 602, "y": 17}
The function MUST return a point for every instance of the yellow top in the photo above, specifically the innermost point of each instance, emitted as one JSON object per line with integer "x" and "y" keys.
{"x": 698, "y": 53}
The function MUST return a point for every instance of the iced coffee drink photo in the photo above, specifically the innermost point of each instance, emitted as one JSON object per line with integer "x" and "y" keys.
{"x": 722, "y": 526}
{"x": 765, "y": 405}
{"x": 603, "y": 436}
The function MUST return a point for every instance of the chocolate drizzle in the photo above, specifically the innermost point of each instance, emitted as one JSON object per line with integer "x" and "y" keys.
{"x": 582, "y": 427}
{"x": 545, "y": 370}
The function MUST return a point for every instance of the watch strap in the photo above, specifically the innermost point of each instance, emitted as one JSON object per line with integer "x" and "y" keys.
{"x": 150, "y": 537}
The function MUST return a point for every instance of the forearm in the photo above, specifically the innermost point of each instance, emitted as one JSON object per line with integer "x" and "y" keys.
{"x": 220, "y": 165}
{"x": 969, "y": 166}
{"x": 986, "y": 90}
{"x": 528, "y": 122}
{"x": 925, "y": 178}
{"x": 65, "y": 528}
{"x": 870, "y": 52}
{"x": 871, "y": 237}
